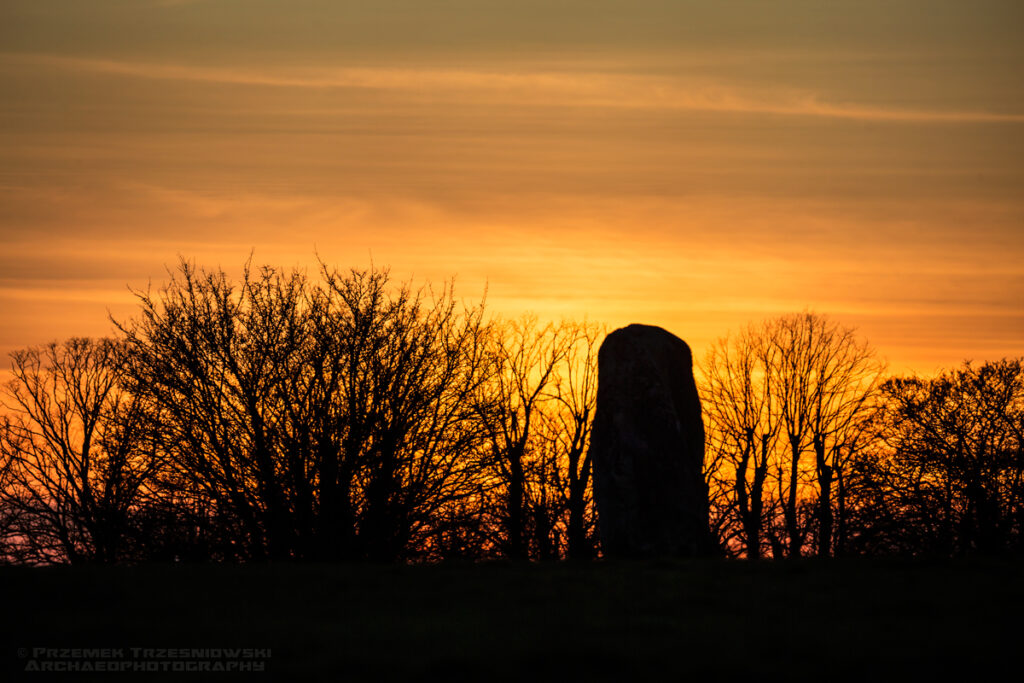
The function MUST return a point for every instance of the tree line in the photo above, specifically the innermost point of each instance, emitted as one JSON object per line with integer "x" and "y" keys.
{"x": 282, "y": 417}
{"x": 349, "y": 417}
{"x": 813, "y": 450}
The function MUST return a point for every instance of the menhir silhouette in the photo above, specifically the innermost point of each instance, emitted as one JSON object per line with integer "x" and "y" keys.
{"x": 647, "y": 447}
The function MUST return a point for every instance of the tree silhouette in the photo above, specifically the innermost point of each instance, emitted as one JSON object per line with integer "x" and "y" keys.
{"x": 568, "y": 418}
{"x": 327, "y": 420}
{"x": 212, "y": 359}
{"x": 77, "y": 451}
{"x": 744, "y": 424}
{"x": 347, "y": 417}
{"x": 795, "y": 386}
{"x": 523, "y": 359}
{"x": 535, "y": 411}
{"x": 949, "y": 476}
{"x": 411, "y": 363}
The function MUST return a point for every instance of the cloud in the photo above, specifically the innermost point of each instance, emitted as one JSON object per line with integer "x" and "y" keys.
{"x": 175, "y": 3}
{"x": 527, "y": 88}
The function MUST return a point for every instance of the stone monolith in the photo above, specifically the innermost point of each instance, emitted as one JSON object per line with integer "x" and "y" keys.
{"x": 647, "y": 447}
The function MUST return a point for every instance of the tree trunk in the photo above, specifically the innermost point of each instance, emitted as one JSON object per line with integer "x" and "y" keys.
{"x": 378, "y": 530}
{"x": 840, "y": 548}
{"x": 515, "y": 514}
{"x": 824, "y": 511}
{"x": 757, "y": 501}
{"x": 750, "y": 541}
{"x": 580, "y": 547}
{"x": 335, "y": 528}
{"x": 790, "y": 512}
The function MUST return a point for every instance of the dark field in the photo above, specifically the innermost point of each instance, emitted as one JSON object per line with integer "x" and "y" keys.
{"x": 602, "y": 621}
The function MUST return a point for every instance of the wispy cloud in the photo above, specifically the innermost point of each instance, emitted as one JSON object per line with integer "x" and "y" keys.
{"x": 175, "y": 3}
{"x": 528, "y": 88}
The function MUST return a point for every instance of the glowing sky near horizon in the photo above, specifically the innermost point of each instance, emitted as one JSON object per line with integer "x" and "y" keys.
{"x": 694, "y": 165}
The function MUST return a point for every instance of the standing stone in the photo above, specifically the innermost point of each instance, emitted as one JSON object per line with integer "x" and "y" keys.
{"x": 647, "y": 447}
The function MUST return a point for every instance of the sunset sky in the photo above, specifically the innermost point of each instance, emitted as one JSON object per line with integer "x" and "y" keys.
{"x": 694, "y": 165}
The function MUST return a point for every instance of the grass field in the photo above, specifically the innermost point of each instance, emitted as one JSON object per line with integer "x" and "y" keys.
{"x": 602, "y": 621}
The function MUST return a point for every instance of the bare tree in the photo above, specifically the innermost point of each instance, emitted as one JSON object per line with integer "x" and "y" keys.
{"x": 796, "y": 385}
{"x": 536, "y": 410}
{"x": 411, "y": 364}
{"x": 9, "y": 513}
{"x": 213, "y": 358}
{"x": 524, "y": 359}
{"x": 826, "y": 377}
{"x": 948, "y": 478}
{"x": 74, "y": 442}
{"x": 744, "y": 424}
{"x": 317, "y": 420}
{"x": 568, "y": 419}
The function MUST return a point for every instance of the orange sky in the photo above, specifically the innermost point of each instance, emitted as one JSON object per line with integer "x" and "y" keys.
{"x": 694, "y": 165}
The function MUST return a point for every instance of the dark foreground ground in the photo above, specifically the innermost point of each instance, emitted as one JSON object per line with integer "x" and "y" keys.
{"x": 846, "y": 620}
